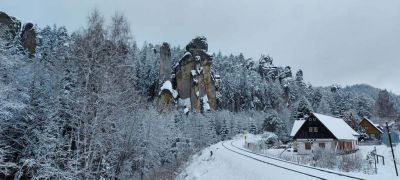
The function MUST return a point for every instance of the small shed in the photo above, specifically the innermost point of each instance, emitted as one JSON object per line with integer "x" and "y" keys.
{"x": 373, "y": 130}
{"x": 319, "y": 131}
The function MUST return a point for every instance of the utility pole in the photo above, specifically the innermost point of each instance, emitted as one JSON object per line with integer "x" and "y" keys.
{"x": 391, "y": 146}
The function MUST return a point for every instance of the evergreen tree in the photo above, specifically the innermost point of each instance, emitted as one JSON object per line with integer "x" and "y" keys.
{"x": 223, "y": 132}
{"x": 384, "y": 107}
{"x": 302, "y": 110}
{"x": 252, "y": 127}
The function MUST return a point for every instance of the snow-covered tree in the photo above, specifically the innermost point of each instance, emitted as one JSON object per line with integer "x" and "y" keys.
{"x": 252, "y": 127}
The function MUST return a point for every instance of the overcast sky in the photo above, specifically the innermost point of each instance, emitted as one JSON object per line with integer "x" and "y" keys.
{"x": 332, "y": 41}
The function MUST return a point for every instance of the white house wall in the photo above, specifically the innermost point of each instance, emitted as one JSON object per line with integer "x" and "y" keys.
{"x": 300, "y": 145}
{"x": 330, "y": 144}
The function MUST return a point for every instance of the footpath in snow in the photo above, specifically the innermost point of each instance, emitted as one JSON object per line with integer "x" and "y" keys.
{"x": 231, "y": 161}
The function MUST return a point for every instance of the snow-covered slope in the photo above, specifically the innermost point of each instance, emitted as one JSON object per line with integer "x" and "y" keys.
{"x": 228, "y": 165}
{"x": 230, "y": 161}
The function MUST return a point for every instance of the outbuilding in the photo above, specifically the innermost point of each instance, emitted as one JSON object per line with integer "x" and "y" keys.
{"x": 373, "y": 130}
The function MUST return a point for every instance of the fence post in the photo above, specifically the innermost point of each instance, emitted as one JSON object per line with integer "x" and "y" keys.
{"x": 391, "y": 147}
{"x": 376, "y": 169}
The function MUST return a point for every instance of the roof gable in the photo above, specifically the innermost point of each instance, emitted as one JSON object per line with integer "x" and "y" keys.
{"x": 336, "y": 127}
{"x": 312, "y": 122}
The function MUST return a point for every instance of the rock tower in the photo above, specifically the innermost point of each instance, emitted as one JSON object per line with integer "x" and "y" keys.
{"x": 193, "y": 81}
{"x": 10, "y": 27}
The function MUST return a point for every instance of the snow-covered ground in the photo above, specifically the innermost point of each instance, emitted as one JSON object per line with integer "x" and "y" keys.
{"x": 385, "y": 151}
{"x": 228, "y": 165}
{"x": 230, "y": 162}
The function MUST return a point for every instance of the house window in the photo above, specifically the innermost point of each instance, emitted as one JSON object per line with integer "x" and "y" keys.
{"x": 307, "y": 146}
{"x": 322, "y": 145}
{"x": 313, "y": 129}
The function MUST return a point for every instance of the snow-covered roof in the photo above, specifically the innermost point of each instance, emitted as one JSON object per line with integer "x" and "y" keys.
{"x": 338, "y": 127}
{"x": 296, "y": 126}
{"x": 167, "y": 85}
{"x": 377, "y": 126}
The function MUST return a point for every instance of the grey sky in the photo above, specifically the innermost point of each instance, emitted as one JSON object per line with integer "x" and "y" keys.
{"x": 333, "y": 41}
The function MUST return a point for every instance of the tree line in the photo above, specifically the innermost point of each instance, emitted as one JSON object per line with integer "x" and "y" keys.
{"x": 85, "y": 106}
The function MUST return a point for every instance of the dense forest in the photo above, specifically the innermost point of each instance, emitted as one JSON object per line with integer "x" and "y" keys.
{"x": 84, "y": 107}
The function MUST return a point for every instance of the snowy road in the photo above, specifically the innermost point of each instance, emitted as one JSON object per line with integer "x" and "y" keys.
{"x": 234, "y": 163}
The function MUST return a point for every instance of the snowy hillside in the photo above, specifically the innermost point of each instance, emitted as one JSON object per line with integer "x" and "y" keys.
{"x": 231, "y": 161}
{"x": 95, "y": 103}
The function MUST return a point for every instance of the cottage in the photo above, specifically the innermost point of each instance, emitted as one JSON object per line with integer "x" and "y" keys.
{"x": 323, "y": 132}
{"x": 373, "y": 131}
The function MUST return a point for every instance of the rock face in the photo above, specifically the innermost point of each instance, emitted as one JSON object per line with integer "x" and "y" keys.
{"x": 28, "y": 39}
{"x": 193, "y": 78}
{"x": 10, "y": 27}
{"x": 165, "y": 62}
{"x": 166, "y": 90}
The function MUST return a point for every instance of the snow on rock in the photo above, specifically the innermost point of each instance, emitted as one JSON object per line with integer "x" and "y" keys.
{"x": 185, "y": 104}
{"x": 186, "y": 110}
{"x": 167, "y": 85}
{"x": 206, "y": 106}
{"x": 194, "y": 73}
{"x": 175, "y": 65}
{"x": 186, "y": 54}
{"x": 199, "y": 70}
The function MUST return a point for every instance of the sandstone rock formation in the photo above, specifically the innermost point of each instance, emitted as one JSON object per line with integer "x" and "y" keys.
{"x": 193, "y": 78}
{"x": 28, "y": 39}
{"x": 167, "y": 93}
{"x": 165, "y": 62}
{"x": 10, "y": 27}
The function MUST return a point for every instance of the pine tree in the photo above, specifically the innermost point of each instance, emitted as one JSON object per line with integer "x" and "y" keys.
{"x": 384, "y": 107}
{"x": 223, "y": 132}
{"x": 303, "y": 109}
{"x": 252, "y": 127}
